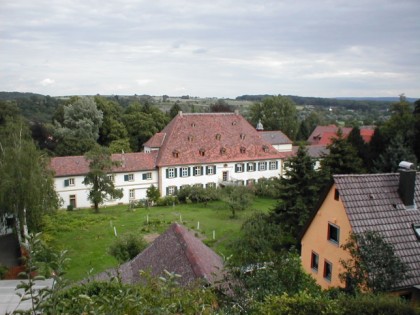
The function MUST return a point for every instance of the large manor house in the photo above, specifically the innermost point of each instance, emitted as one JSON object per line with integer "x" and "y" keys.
{"x": 206, "y": 150}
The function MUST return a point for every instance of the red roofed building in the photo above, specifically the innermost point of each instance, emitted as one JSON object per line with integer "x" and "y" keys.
{"x": 207, "y": 150}
{"x": 323, "y": 135}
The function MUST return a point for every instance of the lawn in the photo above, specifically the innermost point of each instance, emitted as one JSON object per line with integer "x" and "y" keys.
{"x": 87, "y": 235}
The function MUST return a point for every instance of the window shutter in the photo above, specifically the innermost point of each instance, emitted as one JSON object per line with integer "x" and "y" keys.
{"x": 277, "y": 165}
{"x": 126, "y": 178}
{"x": 66, "y": 183}
{"x": 201, "y": 170}
{"x": 167, "y": 175}
{"x": 236, "y": 168}
{"x": 207, "y": 170}
{"x": 176, "y": 172}
{"x": 189, "y": 171}
{"x": 167, "y": 189}
{"x": 214, "y": 169}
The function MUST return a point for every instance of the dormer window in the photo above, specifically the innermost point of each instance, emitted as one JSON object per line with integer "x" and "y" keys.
{"x": 190, "y": 138}
{"x": 242, "y": 150}
{"x": 265, "y": 148}
{"x": 175, "y": 153}
{"x": 202, "y": 152}
{"x": 193, "y": 125}
{"x": 242, "y": 136}
{"x": 222, "y": 151}
{"x": 234, "y": 123}
{"x": 218, "y": 136}
{"x": 416, "y": 228}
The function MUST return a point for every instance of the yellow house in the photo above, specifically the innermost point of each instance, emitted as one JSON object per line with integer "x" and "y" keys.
{"x": 386, "y": 203}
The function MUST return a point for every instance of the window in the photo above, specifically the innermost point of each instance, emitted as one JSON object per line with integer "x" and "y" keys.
{"x": 333, "y": 233}
{"x": 171, "y": 190}
{"x": 265, "y": 148}
{"x": 225, "y": 176}
{"x": 199, "y": 185}
{"x": 251, "y": 167}
{"x": 314, "y": 261}
{"x": 147, "y": 176}
{"x": 175, "y": 153}
{"x": 242, "y": 149}
{"x": 241, "y": 183}
{"x": 242, "y": 136}
{"x": 336, "y": 194}
{"x": 128, "y": 177}
{"x": 202, "y": 152}
{"x": 131, "y": 194}
{"x": 250, "y": 182}
{"x": 211, "y": 185}
{"x": 222, "y": 151}
{"x": 416, "y": 228}
{"x": 185, "y": 171}
{"x": 239, "y": 168}
{"x": 211, "y": 170}
{"x": 274, "y": 165}
{"x": 171, "y": 172}
{"x": 69, "y": 182}
{"x": 197, "y": 170}
{"x": 218, "y": 136}
{"x": 262, "y": 166}
{"x": 111, "y": 177}
{"x": 327, "y": 270}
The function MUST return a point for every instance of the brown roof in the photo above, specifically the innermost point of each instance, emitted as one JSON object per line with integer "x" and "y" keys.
{"x": 323, "y": 135}
{"x": 156, "y": 141}
{"x": 314, "y": 151}
{"x": 275, "y": 137}
{"x": 177, "y": 251}
{"x": 212, "y": 138}
{"x": 77, "y": 165}
{"x": 372, "y": 203}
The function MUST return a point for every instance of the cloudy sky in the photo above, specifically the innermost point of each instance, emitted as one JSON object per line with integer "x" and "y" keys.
{"x": 220, "y": 48}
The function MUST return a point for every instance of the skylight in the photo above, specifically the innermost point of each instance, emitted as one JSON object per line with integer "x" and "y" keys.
{"x": 416, "y": 228}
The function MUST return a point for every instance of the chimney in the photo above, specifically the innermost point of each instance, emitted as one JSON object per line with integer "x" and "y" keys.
{"x": 180, "y": 113}
{"x": 407, "y": 184}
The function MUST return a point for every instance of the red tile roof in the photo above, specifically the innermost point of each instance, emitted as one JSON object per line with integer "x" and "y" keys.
{"x": 177, "y": 251}
{"x": 77, "y": 165}
{"x": 212, "y": 138}
{"x": 156, "y": 141}
{"x": 322, "y": 135}
{"x": 367, "y": 133}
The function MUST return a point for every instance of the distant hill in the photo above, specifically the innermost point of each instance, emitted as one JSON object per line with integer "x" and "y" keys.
{"x": 5, "y": 96}
{"x": 378, "y": 99}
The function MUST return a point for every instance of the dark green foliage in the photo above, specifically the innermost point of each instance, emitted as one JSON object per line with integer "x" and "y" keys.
{"x": 167, "y": 201}
{"x": 266, "y": 187}
{"x": 127, "y": 247}
{"x": 416, "y": 114}
{"x": 102, "y": 186}
{"x": 238, "y": 198}
{"x": 342, "y": 159}
{"x": 298, "y": 194}
{"x": 361, "y": 147}
{"x": 174, "y": 110}
{"x": 276, "y": 113}
{"x": 152, "y": 194}
{"x": 3, "y": 271}
{"x": 373, "y": 264}
{"x": 221, "y": 106}
{"x": 197, "y": 194}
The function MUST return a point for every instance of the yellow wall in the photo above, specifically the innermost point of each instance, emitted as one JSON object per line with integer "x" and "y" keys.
{"x": 315, "y": 239}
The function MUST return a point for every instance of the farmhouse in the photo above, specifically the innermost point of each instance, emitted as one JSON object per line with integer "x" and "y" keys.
{"x": 206, "y": 150}
{"x": 386, "y": 203}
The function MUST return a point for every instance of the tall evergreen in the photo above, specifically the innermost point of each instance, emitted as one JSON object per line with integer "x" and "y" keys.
{"x": 361, "y": 147}
{"x": 299, "y": 192}
{"x": 416, "y": 114}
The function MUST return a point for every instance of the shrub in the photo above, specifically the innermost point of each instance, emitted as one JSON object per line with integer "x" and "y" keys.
{"x": 167, "y": 201}
{"x": 127, "y": 247}
{"x": 3, "y": 271}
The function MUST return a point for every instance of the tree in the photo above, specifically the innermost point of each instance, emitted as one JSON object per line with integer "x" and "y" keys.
{"x": 276, "y": 113}
{"x": 27, "y": 185}
{"x": 221, "y": 106}
{"x": 174, "y": 110}
{"x": 127, "y": 247}
{"x": 342, "y": 158}
{"x": 298, "y": 194}
{"x": 361, "y": 147}
{"x": 416, "y": 114}
{"x": 152, "y": 194}
{"x": 373, "y": 265}
{"x": 238, "y": 198}
{"x": 102, "y": 185}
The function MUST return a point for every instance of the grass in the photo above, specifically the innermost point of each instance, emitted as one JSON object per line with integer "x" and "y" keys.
{"x": 87, "y": 236}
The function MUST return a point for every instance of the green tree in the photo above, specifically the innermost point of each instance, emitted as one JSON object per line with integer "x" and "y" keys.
{"x": 152, "y": 194}
{"x": 308, "y": 125}
{"x": 238, "y": 198}
{"x": 127, "y": 247}
{"x": 102, "y": 185}
{"x": 396, "y": 152}
{"x": 276, "y": 113}
{"x": 298, "y": 193}
{"x": 342, "y": 158}
{"x": 361, "y": 147}
{"x": 373, "y": 265}
{"x": 416, "y": 114}
{"x": 27, "y": 185}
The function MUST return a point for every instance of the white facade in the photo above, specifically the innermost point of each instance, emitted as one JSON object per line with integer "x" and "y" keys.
{"x": 72, "y": 191}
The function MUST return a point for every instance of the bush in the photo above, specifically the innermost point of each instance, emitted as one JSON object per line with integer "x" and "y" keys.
{"x": 3, "y": 271}
{"x": 167, "y": 201}
{"x": 127, "y": 247}
{"x": 197, "y": 194}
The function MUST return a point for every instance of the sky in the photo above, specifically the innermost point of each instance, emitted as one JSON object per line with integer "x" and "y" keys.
{"x": 211, "y": 48}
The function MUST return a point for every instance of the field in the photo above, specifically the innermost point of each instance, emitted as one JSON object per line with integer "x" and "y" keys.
{"x": 87, "y": 236}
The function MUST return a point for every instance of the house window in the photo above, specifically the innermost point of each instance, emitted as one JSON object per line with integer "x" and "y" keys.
{"x": 128, "y": 177}
{"x": 274, "y": 165}
{"x": 327, "y": 270}
{"x": 171, "y": 190}
{"x": 250, "y": 182}
{"x": 241, "y": 183}
{"x": 111, "y": 177}
{"x": 242, "y": 149}
{"x": 72, "y": 201}
{"x": 184, "y": 186}
{"x": 185, "y": 171}
{"x": 333, "y": 233}
{"x": 314, "y": 261}
{"x": 132, "y": 194}
{"x": 239, "y": 168}
{"x": 211, "y": 185}
{"x": 199, "y": 185}
{"x": 197, "y": 170}
{"x": 225, "y": 176}
{"x": 171, "y": 172}
{"x": 251, "y": 167}
{"x": 210, "y": 170}
{"x": 336, "y": 194}
{"x": 69, "y": 182}
{"x": 147, "y": 176}
{"x": 262, "y": 166}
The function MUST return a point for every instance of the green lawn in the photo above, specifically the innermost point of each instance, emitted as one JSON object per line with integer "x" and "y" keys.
{"x": 87, "y": 236}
